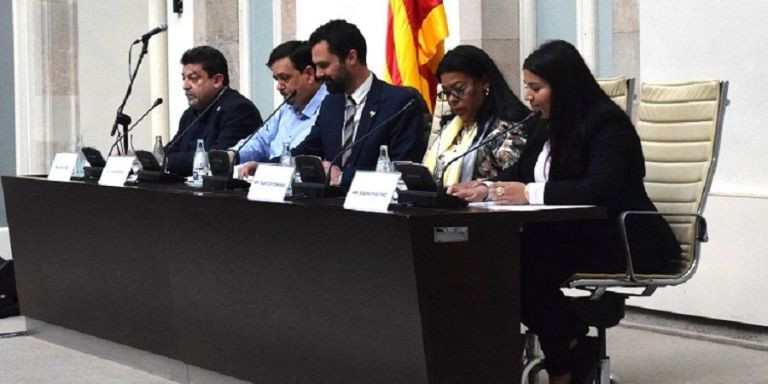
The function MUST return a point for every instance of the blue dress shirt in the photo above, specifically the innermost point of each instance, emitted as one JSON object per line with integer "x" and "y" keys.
{"x": 288, "y": 125}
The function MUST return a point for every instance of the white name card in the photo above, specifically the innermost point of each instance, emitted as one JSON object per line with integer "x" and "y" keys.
{"x": 371, "y": 191}
{"x": 270, "y": 183}
{"x": 116, "y": 171}
{"x": 62, "y": 167}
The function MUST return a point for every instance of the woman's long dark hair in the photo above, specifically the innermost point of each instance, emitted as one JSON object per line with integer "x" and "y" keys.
{"x": 574, "y": 92}
{"x": 473, "y": 61}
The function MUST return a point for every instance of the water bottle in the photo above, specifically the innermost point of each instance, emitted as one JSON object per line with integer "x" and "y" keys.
{"x": 383, "y": 164}
{"x": 287, "y": 161}
{"x": 199, "y": 164}
{"x": 158, "y": 150}
{"x": 81, "y": 162}
{"x": 135, "y": 166}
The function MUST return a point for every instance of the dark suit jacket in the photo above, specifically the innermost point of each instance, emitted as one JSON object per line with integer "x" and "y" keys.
{"x": 229, "y": 119}
{"x": 404, "y": 135}
{"x": 608, "y": 173}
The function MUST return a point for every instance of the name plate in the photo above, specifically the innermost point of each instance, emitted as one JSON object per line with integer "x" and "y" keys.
{"x": 62, "y": 167}
{"x": 270, "y": 183}
{"x": 116, "y": 171}
{"x": 371, "y": 191}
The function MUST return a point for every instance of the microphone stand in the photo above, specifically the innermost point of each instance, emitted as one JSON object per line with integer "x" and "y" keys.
{"x": 483, "y": 142}
{"x": 314, "y": 165}
{"x": 122, "y": 119}
{"x": 439, "y": 198}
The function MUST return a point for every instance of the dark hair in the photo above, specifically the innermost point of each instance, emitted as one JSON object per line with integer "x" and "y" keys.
{"x": 574, "y": 92}
{"x": 299, "y": 52}
{"x": 473, "y": 61}
{"x": 341, "y": 37}
{"x": 210, "y": 58}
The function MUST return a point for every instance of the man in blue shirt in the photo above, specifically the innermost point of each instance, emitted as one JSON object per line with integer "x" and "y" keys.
{"x": 293, "y": 70}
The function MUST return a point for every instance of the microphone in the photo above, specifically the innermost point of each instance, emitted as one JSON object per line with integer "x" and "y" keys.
{"x": 440, "y": 189}
{"x": 311, "y": 168}
{"x": 181, "y": 133}
{"x": 247, "y": 138}
{"x": 148, "y": 35}
{"x": 157, "y": 102}
{"x": 397, "y": 114}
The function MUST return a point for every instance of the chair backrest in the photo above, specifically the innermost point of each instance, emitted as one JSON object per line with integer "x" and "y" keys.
{"x": 679, "y": 127}
{"x": 621, "y": 90}
{"x": 441, "y": 109}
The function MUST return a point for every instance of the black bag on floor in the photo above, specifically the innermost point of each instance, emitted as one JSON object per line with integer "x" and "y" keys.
{"x": 9, "y": 301}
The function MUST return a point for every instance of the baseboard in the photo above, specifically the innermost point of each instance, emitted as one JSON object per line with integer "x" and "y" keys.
{"x": 5, "y": 243}
{"x": 171, "y": 369}
{"x": 695, "y": 327}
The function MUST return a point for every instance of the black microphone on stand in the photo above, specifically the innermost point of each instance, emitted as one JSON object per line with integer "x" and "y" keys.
{"x": 222, "y": 169}
{"x": 310, "y": 167}
{"x": 157, "y": 102}
{"x": 122, "y": 119}
{"x": 397, "y": 114}
{"x": 431, "y": 192}
{"x": 148, "y": 35}
{"x": 244, "y": 141}
{"x": 440, "y": 188}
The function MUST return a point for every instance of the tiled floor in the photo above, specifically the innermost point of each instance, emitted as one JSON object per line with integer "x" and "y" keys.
{"x": 638, "y": 356}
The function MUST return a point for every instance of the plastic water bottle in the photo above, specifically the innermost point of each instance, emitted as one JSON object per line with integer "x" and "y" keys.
{"x": 81, "y": 162}
{"x": 158, "y": 150}
{"x": 200, "y": 164}
{"x": 383, "y": 164}
{"x": 287, "y": 161}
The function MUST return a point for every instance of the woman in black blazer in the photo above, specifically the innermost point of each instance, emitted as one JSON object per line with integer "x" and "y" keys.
{"x": 585, "y": 151}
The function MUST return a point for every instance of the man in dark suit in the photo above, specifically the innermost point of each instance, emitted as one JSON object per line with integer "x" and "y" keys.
{"x": 219, "y": 115}
{"x": 357, "y": 104}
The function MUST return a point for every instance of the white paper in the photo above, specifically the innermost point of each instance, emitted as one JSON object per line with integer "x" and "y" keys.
{"x": 270, "y": 183}
{"x": 116, "y": 171}
{"x": 371, "y": 191}
{"x": 525, "y": 207}
{"x": 62, "y": 166}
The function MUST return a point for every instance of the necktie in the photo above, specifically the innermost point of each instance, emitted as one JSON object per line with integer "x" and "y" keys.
{"x": 348, "y": 132}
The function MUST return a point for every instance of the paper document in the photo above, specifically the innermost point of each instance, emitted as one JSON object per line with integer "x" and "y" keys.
{"x": 526, "y": 207}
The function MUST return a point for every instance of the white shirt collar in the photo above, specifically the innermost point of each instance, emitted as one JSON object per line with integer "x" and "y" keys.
{"x": 361, "y": 92}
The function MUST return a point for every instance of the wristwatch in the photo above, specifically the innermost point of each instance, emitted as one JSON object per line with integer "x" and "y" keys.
{"x": 487, "y": 184}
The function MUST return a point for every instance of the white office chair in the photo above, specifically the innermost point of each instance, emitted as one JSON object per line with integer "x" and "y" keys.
{"x": 680, "y": 127}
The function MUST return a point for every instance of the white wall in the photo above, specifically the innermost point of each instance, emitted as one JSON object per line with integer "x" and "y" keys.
{"x": 694, "y": 39}
{"x": 102, "y": 45}
{"x": 180, "y": 39}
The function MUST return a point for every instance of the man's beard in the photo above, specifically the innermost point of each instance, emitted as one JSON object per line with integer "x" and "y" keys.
{"x": 340, "y": 83}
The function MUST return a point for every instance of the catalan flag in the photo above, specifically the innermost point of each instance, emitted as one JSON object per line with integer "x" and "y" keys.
{"x": 415, "y": 33}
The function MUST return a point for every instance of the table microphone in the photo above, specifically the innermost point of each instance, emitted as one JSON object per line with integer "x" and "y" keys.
{"x": 183, "y": 132}
{"x": 157, "y": 102}
{"x": 397, "y": 114}
{"x": 242, "y": 142}
{"x": 440, "y": 188}
{"x": 312, "y": 165}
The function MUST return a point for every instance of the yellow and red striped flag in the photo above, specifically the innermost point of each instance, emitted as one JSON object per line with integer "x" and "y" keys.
{"x": 415, "y": 33}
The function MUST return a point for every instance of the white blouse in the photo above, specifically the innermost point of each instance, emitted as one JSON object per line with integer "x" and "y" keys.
{"x": 540, "y": 176}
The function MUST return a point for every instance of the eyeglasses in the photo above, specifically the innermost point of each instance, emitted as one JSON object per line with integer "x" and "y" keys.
{"x": 457, "y": 92}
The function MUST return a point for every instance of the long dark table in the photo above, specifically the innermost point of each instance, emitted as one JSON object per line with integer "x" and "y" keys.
{"x": 276, "y": 293}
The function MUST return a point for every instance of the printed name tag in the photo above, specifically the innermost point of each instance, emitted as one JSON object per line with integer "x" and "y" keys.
{"x": 116, "y": 171}
{"x": 270, "y": 183}
{"x": 62, "y": 167}
{"x": 371, "y": 191}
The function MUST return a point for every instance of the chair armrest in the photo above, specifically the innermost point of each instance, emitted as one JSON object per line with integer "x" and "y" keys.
{"x": 701, "y": 234}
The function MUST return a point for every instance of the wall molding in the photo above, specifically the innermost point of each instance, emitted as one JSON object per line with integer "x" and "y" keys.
{"x": 5, "y": 243}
